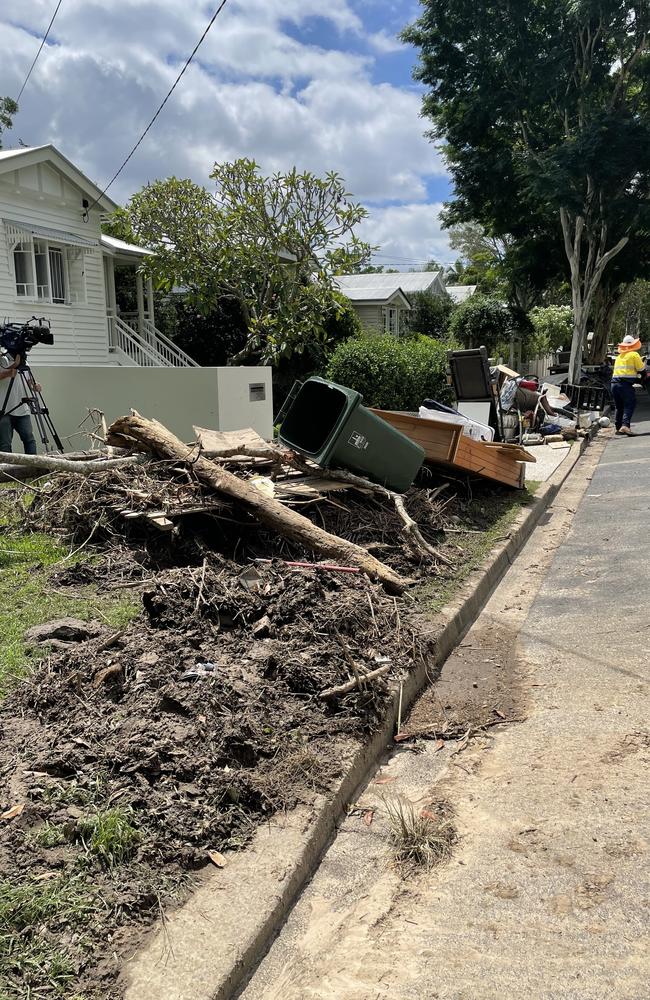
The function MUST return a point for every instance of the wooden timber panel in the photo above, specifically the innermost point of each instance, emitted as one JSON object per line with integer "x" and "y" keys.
{"x": 438, "y": 438}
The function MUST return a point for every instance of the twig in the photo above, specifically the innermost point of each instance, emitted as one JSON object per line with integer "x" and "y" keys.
{"x": 82, "y": 546}
{"x": 350, "y": 685}
{"x": 372, "y": 612}
{"x": 399, "y": 708}
{"x": 201, "y": 585}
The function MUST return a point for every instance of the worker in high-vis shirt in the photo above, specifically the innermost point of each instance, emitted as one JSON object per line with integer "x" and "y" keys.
{"x": 628, "y": 369}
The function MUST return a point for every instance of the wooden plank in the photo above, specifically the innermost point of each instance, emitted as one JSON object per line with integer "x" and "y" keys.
{"x": 438, "y": 438}
{"x": 215, "y": 443}
{"x": 515, "y": 451}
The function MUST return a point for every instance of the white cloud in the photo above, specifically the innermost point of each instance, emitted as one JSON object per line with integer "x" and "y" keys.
{"x": 384, "y": 42}
{"x": 257, "y": 88}
{"x": 409, "y": 235}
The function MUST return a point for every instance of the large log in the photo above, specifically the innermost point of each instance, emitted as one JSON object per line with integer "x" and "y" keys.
{"x": 289, "y": 523}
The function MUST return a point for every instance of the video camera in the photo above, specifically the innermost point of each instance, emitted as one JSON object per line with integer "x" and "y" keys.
{"x": 19, "y": 338}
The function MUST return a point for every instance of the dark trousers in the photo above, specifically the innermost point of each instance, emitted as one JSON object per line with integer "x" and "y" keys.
{"x": 625, "y": 402}
{"x": 23, "y": 428}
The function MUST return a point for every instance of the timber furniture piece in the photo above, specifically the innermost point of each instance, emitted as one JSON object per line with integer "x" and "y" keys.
{"x": 445, "y": 444}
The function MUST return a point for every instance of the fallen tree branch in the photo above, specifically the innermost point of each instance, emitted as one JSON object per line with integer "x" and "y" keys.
{"x": 413, "y": 534}
{"x": 355, "y": 682}
{"x": 289, "y": 523}
{"x": 37, "y": 464}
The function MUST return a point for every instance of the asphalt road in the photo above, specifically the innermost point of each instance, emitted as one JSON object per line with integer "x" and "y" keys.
{"x": 547, "y": 895}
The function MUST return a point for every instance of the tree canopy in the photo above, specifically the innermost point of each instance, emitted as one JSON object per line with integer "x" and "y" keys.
{"x": 8, "y": 110}
{"x": 481, "y": 322}
{"x": 272, "y": 244}
{"x": 543, "y": 111}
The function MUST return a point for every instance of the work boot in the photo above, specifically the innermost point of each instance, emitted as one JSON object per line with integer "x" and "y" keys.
{"x": 627, "y": 430}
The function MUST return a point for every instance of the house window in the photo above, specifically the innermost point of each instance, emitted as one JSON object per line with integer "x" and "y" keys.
{"x": 42, "y": 272}
{"x": 391, "y": 321}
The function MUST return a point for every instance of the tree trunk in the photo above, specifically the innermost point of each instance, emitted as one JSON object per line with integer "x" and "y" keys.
{"x": 586, "y": 276}
{"x": 605, "y": 315}
{"x": 288, "y": 523}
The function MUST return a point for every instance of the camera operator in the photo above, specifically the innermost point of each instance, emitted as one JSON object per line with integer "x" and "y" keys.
{"x": 16, "y": 412}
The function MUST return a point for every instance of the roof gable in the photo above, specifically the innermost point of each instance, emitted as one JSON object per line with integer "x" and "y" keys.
{"x": 41, "y": 162}
{"x": 368, "y": 296}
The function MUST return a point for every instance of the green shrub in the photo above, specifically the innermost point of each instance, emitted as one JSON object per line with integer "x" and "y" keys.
{"x": 481, "y": 321}
{"x": 430, "y": 314}
{"x": 392, "y": 374}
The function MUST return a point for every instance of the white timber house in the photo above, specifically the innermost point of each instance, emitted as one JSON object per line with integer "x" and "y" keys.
{"x": 56, "y": 263}
{"x": 381, "y": 301}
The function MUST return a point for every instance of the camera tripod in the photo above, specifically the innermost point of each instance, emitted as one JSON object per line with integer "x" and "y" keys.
{"x": 37, "y": 407}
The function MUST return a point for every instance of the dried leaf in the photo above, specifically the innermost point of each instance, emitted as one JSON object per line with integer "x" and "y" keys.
{"x": 383, "y": 781}
{"x": 217, "y": 859}
{"x": 368, "y": 816}
{"x": 402, "y": 737}
{"x": 438, "y": 745}
{"x": 497, "y": 712}
{"x": 429, "y": 815}
{"x": 13, "y": 812}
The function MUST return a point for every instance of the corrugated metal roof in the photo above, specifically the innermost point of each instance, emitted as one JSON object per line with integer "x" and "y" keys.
{"x": 56, "y": 235}
{"x": 373, "y": 295}
{"x": 408, "y": 281}
{"x": 111, "y": 243}
{"x": 460, "y": 293}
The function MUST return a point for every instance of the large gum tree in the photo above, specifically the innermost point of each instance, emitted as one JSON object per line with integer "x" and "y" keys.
{"x": 542, "y": 110}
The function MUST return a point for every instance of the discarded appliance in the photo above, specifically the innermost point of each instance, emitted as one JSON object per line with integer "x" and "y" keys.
{"x": 327, "y": 423}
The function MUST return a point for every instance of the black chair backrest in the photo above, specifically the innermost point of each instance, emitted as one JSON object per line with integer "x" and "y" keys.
{"x": 470, "y": 375}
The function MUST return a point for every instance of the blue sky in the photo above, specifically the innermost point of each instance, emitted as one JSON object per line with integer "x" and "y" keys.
{"x": 322, "y": 86}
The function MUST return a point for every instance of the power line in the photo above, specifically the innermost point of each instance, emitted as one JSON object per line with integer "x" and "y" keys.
{"x": 40, "y": 49}
{"x": 167, "y": 96}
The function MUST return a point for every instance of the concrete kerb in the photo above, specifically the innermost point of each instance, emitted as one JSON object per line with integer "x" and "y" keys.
{"x": 209, "y": 948}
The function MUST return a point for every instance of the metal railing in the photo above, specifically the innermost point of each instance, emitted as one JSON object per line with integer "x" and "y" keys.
{"x": 171, "y": 356}
{"x": 123, "y": 338}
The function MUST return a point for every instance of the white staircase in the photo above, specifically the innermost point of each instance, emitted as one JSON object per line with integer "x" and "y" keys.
{"x": 144, "y": 346}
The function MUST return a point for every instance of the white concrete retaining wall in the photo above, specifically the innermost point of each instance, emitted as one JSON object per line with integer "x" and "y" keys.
{"x": 219, "y": 398}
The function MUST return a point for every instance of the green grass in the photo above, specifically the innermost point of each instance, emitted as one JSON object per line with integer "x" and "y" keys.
{"x": 500, "y": 512}
{"x": 48, "y": 835}
{"x": 28, "y": 597}
{"x": 109, "y": 835}
{"x": 30, "y": 964}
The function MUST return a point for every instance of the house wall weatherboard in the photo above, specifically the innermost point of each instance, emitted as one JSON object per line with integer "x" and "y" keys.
{"x": 219, "y": 398}
{"x": 39, "y": 195}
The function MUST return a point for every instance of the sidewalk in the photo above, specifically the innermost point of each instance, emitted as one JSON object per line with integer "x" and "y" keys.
{"x": 547, "y": 896}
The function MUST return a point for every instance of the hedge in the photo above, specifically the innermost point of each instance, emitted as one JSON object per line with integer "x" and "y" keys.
{"x": 393, "y": 374}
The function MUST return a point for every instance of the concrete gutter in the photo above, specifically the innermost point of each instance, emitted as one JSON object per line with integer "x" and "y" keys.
{"x": 209, "y": 947}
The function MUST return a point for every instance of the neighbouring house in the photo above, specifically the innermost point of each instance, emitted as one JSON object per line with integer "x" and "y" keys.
{"x": 381, "y": 301}
{"x": 460, "y": 293}
{"x": 55, "y": 262}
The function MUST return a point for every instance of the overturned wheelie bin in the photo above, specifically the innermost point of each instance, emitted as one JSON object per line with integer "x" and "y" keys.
{"x": 326, "y": 423}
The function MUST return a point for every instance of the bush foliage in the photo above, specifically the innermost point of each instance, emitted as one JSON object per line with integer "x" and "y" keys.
{"x": 430, "y": 314}
{"x": 392, "y": 374}
{"x": 481, "y": 322}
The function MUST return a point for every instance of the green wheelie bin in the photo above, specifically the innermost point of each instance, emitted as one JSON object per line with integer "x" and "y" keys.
{"x": 327, "y": 423}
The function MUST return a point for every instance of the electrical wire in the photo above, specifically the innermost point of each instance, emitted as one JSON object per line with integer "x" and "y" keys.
{"x": 40, "y": 49}
{"x": 167, "y": 96}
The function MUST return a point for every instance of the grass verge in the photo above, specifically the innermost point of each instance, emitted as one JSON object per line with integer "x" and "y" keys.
{"x": 493, "y": 516}
{"x": 28, "y": 597}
